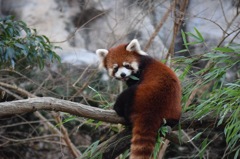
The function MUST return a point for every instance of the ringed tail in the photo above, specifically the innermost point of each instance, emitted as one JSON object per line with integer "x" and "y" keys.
{"x": 143, "y": 141}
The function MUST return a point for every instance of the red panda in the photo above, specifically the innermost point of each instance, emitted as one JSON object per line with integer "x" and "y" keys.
{"x": 152, "y": 96}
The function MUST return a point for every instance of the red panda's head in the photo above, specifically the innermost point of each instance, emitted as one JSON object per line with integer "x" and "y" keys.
{"x": 121, "y": 61}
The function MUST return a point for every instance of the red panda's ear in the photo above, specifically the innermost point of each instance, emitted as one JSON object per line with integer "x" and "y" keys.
{"x": 102, "y": 53}
{"x": 135, "y": 46}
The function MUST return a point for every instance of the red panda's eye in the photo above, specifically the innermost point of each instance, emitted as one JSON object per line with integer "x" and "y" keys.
{"x": 115, "y": 69}
{"x": 127, "y": 66}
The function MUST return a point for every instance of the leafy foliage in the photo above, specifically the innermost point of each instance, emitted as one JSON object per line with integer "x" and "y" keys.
{"x": 221, "y": 98}
{"x": 20, "y": 42}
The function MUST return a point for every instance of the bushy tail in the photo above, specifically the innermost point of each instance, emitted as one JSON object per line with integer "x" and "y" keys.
{"x": 143, "y": 140}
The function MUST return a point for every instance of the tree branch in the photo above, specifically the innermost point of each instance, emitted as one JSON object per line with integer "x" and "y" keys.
{"x": 53, "y": 104}
{"x": 110, "y": 116}
{"x": 159, "y": 26}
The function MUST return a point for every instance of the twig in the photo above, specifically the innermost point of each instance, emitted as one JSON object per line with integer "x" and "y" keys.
{"x": 74, "y": 32}
{"x": 179, "y": 17}
{"x": 9, "y": 92}
{"x": 17, "y": 89}
{"x": 235, "y": 36}
{"x": 224, "y": 15}
{"x": 22, "y": 123}
{"x": 66, "y": 138}
{"x": 159, "y": 26}
{"x": 163, "y": 148}
{"x": 28, "y": 79}
{"x": 189, "y": 140}
{"x": 29, "y": 139}
{"x": 80, "y": 90}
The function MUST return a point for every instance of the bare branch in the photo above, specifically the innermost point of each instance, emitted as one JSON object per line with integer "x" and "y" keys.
{"x": 71, "y": 147}
{"x": 179, "y": 14}
{"x": 53, "y": 104}
{"x": 29, "y": 139}
{"x": 159, "y": 26}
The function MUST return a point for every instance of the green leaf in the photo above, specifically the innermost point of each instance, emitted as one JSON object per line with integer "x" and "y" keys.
{"x": 184, "y": 50}
{"x": 184, "y": 39}
{"x": 195, "y": 137}
{"x": 192, "y": 35}
{"x": 236, "y": 154}
{"x": 46, "y": 39}
{"x": 194, "y": 42}
{"x": 20, "y": 46}
{"x": 199, "y": 34}
{"x": 185, "y": 72}
{"x": 90, "y": 151}
{"x": 40, "y": 63}
{"x": 224, "y": 49}
{"x": 69, "y": 119}
{"x": 9, "y": 53}
{"x": 134, "y": 78}
{"x": 12, "y": 63}
{"x": 98, "y": 124}
{"x": 204, "y": 145}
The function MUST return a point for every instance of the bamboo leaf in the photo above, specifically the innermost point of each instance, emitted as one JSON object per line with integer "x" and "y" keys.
{"x": 192, "y": 35}
{"x": 195, "y": 137}
{"x": 199, "y": 34}
{"x": 236, "y": 154}
{"x": 184, "y": 39}
{"x": 223, "y": 49}
{"x": 134, "y": 78}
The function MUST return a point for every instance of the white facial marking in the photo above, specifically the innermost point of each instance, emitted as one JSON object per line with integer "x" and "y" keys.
{"x": 110, "y": 70}
{"x": 135, "y": 46}
{"x": 115, "y": 65}
{"x": 134, "y": 65}
{"x": 122, "y": 73}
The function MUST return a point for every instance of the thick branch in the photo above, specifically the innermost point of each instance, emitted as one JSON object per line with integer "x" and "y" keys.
{"x": 53, "y": 104}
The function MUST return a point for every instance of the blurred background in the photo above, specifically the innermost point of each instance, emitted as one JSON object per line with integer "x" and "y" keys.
{"x": 82, "y": 26}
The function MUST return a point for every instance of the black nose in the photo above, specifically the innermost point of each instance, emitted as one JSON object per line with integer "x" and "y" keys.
{"x": 123, "y": 75}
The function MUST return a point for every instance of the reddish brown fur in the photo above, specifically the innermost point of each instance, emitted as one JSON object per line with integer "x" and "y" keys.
{"x": 156, "y": 97}
{"x": 118, "y": 55}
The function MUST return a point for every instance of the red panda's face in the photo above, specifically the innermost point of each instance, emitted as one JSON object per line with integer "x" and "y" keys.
{"x": 122, "y": 70}
{"x": 122, "y": 61}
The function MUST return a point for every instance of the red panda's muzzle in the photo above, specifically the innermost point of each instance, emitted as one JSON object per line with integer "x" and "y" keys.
{"x": 122, "y": 73}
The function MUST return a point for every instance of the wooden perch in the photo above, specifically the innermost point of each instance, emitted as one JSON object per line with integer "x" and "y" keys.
{"x": 53, "y": 104}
